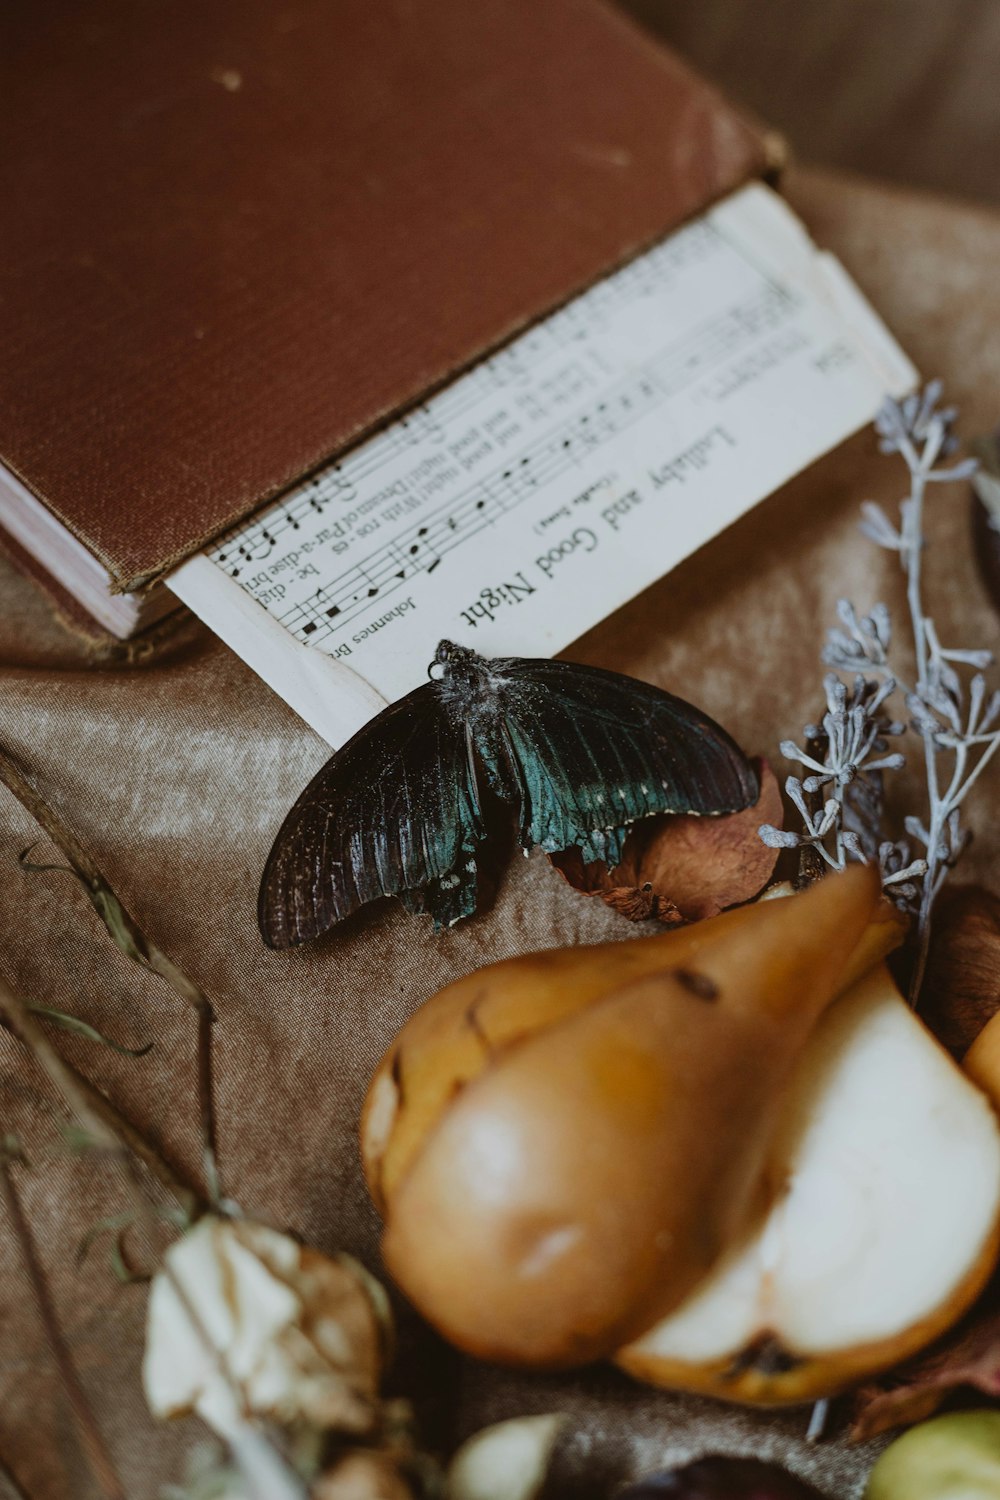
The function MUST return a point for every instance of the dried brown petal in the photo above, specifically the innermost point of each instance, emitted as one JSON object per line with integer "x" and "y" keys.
{"x": 968, "y": 1356}
{"x": 961, "y": 989}
{"x": 682, "y": 869}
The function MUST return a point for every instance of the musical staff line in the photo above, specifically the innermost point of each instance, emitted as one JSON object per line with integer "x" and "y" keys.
{"x": 421, "y": 547}
{"x": 505, "y": 371}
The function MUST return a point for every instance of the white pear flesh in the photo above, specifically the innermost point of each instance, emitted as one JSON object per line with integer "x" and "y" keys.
{"x": 882, "y": 1227}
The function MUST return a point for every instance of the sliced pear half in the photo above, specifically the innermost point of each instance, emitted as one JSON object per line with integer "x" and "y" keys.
{"x": 882, "y": 1228}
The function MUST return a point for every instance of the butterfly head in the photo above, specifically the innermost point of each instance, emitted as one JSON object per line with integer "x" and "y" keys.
{"x": 457, "y": 666}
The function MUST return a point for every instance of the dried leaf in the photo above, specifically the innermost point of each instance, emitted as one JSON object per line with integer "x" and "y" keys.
{"x": 120, "y": 927}
{"x": 968, "y": 1356}
{"x": 683, "y": 869}
{"x": 11, "y": 1150}
{"x": 83, "y": 1028}
{"x": 961, "y": 989}
{"x": 113, "y": 1224}
{"x": 117, "y": 1224}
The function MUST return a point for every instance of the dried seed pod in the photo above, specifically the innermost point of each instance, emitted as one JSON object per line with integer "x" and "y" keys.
{"x": 508, "y": 1461}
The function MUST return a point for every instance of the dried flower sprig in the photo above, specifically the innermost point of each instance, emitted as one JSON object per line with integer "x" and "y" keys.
{"x": 955, "y": 719}
{"x": 843, "y": 757}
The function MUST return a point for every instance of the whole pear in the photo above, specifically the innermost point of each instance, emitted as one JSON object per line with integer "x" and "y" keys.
{"x": 585, "y": 1179}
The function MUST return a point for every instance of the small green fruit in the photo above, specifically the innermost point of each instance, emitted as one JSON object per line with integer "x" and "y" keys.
{"x": 956, "y": 1457}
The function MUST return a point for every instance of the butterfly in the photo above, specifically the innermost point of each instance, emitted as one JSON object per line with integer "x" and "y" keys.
{"x": 578, "y": 752}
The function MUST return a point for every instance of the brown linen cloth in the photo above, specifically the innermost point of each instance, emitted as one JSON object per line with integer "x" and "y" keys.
{"x": 176, "y": 772}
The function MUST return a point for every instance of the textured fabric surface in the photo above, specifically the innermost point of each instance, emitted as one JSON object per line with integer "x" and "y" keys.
{"x": 176, "y": 773}
{"x": 899, "y": 89}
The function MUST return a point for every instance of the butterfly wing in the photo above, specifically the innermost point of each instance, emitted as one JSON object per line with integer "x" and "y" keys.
{"x": 395, "y": 812}
{"x": 591, "y": 751}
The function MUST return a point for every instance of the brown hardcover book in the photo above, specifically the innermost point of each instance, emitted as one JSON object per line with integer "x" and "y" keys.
{"x": 241, "y": 236}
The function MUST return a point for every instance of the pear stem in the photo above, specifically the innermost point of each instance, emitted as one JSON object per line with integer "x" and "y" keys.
{"x": 817, "y": 1420}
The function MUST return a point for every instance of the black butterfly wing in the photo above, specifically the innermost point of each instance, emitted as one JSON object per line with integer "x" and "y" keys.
{"x": 592, "y": 751}
{"x": 395, "y": 812}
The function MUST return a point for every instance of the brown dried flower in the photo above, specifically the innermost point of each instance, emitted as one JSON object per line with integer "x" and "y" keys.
{"x": 967, "y": 1358}
{"x": 683, "y": 869}
{"x": 244, "y": 1321}
{"x": 961, "y": 989}
{"x": 362, "y": 1474}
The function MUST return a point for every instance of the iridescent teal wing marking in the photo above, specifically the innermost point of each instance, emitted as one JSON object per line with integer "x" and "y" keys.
{"x": 592, "y": 751}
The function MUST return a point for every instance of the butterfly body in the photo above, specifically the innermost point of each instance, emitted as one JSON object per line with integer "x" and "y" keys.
{"x": 578, "y": 752}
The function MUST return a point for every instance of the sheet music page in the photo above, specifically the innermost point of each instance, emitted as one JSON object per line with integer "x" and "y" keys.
{"x": 561, "y": 476}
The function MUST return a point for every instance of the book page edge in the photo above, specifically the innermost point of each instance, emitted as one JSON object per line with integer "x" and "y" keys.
{"x": 333, "y": 699}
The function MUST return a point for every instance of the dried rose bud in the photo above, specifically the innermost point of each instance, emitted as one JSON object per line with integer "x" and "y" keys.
{"x": 244, "y": 1321}
{"x": 364, "y": 1474}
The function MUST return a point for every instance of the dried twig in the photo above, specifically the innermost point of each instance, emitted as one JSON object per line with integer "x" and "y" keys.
{"x": 133, "y": 942}
{"x": 188, "y": 1199}
{"x": 264, "y": 1470}
{"x": 92, "y": 1441}
{"x": 818, "y": 1418}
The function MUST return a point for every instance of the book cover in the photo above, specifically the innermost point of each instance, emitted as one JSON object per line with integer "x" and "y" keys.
{"x": 244, "y": 235}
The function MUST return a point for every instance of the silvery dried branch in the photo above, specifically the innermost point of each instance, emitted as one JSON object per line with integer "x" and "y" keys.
{"x": 950, "y": 708}
{"x": 840, "y": 797}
